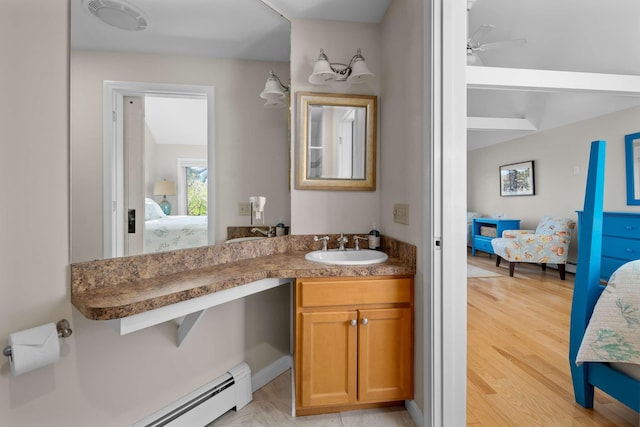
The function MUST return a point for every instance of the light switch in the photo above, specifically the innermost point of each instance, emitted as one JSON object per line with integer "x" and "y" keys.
{"x": 401, "y": 213}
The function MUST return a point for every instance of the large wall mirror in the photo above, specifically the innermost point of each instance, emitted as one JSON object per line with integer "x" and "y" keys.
{"x": 337, "y": 143}
{"x": 183, "y": 97}
{"x": 632, "y": 154}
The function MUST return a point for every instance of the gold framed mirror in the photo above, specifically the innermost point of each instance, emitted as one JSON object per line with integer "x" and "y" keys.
{"x": 336, "y": 147}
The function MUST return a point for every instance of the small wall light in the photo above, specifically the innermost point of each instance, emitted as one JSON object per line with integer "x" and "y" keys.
{"x": 325, "y": 71}
{"x": 274, "y": 92}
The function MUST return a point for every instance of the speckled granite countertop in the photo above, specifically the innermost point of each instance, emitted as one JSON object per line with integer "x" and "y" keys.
{"x": 121, "y": 287}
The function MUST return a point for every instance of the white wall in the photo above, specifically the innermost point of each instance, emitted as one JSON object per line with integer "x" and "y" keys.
{"x": 315, "y": 211}
{"x": 556, "y": 153}
{"x": 101, "y": 379}
{"x": 401, "y": 150}
{"x": 251, "y": 141}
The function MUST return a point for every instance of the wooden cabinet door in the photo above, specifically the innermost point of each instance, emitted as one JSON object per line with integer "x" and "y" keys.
{"x": 329, "y": 357}
{"x": 385, "y": 355}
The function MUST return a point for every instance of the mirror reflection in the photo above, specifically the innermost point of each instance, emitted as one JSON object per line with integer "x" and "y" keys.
{"x": 164, "y": 163}
{"x": 337, "y": 148}
{"x": 157, "y": 145}
{"x": 230, "y": 64}
{"x": 632, "y": 154}
{"x": 336, "y": 142}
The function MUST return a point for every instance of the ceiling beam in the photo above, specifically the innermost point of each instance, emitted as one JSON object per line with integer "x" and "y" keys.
{"x": 499, "y": 123}
{"x": 497, "y": 78}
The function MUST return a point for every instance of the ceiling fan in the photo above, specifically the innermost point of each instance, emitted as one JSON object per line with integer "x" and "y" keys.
{"x": 475, "y": 45}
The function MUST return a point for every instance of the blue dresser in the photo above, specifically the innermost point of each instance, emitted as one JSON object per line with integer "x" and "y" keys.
{"x": 482, "y": 241}
{"x": 620, "y": 240}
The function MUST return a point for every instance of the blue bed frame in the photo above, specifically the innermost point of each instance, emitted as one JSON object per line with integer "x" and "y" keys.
{"x": 587, "y": 290}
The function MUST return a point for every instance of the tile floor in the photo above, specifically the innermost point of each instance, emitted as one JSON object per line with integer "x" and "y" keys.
{"x": 271, "y": 407}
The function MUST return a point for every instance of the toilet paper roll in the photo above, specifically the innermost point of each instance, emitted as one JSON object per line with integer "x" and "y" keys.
{"x": 34, "y": 348}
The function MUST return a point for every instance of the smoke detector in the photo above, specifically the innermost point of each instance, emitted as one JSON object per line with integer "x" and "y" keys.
{"x": 117, "y": 14}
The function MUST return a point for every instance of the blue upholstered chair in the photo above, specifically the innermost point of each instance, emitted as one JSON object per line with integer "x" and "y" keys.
{"x": 547, "y": 244}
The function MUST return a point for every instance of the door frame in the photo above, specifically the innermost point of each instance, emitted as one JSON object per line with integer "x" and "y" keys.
{"x": 444, "y": 240}
{"x": 113, "y": 92}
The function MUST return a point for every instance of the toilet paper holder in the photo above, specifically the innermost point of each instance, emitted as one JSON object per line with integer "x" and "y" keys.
{"x": 64, "y": 330}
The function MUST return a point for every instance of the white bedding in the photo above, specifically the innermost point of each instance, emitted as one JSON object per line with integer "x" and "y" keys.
{"x": 174, "y": 232}
{"x": 613, "y": 333}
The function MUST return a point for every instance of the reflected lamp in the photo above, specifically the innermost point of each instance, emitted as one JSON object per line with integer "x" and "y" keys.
{"x": 164, "y": 188}
{"x": 274, "y": 92}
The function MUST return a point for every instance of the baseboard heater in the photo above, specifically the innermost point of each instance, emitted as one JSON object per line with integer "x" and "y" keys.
{"x": 204, "y": 405}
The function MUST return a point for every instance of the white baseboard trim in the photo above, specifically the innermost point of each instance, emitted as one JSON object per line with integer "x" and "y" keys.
{"x": 271, "y": 372}
{"x": 414, "y": 412}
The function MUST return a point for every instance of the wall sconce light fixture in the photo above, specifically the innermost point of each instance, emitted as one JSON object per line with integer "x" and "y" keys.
{"x": 274, "y": 92}
{"x": 325, "y": 71}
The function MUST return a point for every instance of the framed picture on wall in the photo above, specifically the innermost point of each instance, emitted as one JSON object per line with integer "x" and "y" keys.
{"x": 516, "y": 179}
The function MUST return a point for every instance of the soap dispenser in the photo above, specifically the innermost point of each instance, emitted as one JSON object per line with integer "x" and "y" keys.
{"x": 280, "y": 230}
{"x": 374, "y": 238}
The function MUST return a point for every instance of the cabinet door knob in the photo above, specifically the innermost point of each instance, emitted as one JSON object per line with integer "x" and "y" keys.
{"x": 354, "y": 322}
{"x": 365, "y": 320}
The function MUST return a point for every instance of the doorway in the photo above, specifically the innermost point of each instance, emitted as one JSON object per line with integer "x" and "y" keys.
{"x": 119, "y": 201}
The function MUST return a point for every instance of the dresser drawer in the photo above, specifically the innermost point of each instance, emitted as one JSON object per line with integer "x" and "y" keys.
{"x": 621, "y": 226}
{"x": 482, "y": 244}
{"x": 609, "y": 265}
{"x": 617, "y": 247}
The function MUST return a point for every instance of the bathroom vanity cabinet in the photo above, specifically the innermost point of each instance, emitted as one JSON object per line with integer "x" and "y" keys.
{"x": 353, "y": 343}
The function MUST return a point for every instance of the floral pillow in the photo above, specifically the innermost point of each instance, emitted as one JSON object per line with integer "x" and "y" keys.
{"x": 152, "y": 210}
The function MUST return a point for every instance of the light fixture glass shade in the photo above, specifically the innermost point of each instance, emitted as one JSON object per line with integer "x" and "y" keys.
{"x": 474, "y": 59}
{"x": 322, "y": 72}
{"x": 272, "y": 90}
{"x": 359, "y": 72}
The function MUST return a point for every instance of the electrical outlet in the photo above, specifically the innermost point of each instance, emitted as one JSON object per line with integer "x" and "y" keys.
{"x": 244, "y": 209}
{"x": 401, "y": 213}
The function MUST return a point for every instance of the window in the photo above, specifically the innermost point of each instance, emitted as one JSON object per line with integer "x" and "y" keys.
{"x": 196, "y": 194}
{"x": 193, "y": 177}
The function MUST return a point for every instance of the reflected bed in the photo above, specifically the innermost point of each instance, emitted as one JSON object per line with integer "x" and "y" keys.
{"x": 170, "y": 232}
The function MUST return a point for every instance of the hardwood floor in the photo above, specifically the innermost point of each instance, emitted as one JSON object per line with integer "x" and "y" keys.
{"x": 517, "y": 352}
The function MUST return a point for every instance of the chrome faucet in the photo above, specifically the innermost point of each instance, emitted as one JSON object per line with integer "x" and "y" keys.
{"x": 356, "y": 246}
{"x": 324, "y": 239}
{"x": 341, "y": 242}
{"x": 270, "y": 233}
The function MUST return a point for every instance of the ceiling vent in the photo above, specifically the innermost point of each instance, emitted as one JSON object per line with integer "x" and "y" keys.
{"x": 118, "y": 14}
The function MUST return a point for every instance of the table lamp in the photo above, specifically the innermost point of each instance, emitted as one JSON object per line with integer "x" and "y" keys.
{"x": 164, "y": 188}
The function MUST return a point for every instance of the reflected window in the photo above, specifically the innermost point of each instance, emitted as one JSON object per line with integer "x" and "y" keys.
{"x": 196, "y": 194}
{"x": 193, "y": 177}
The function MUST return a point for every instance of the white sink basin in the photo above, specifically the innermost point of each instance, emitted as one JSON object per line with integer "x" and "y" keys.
{"x": 348, "y": 257}
{"x": 244, "y": 239}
